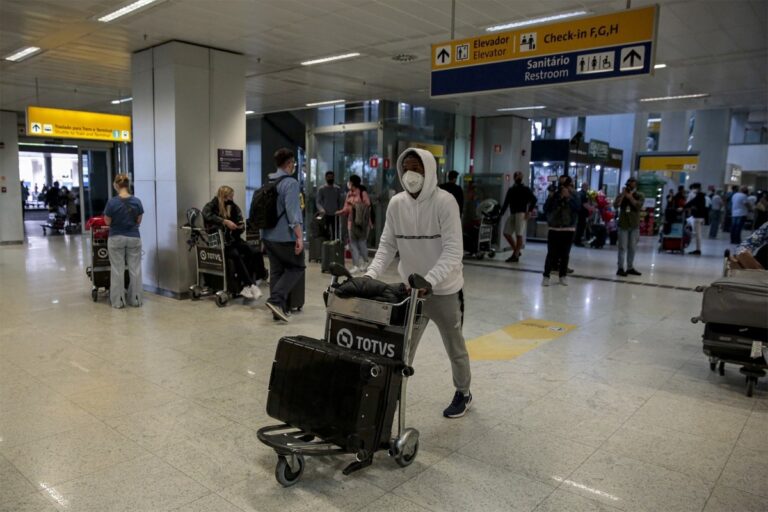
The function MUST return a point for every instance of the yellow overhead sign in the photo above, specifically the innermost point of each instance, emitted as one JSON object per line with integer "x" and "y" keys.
{"x": 675, "y": 163}
{"x": 607, "y": 30}
{"x": 75, "y": 124}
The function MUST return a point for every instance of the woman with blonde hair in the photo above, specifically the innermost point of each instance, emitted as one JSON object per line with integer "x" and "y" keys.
{"x": 222, "y": 213}
{"x": 123, "y": 215}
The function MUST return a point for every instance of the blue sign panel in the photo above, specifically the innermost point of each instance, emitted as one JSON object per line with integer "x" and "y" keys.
{"x": 591, "y": 64}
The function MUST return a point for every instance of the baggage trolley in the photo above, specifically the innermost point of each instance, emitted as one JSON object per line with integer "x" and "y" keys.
{"x": 481, "y": 241}
{"x": 100, "y": 269}
{"x": 210, "y": 265}
{"x": 393, "y": 323}
{"x": 743, "y": 345}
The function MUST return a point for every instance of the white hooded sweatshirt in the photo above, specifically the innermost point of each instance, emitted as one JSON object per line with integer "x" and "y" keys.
{"x": 426, "y": 231}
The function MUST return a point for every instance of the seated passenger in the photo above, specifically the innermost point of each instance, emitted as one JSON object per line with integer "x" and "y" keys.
{"x": 222, "y": 213}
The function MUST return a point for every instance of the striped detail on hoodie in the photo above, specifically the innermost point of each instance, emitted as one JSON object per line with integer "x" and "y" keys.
{"x": 418, "y": 237}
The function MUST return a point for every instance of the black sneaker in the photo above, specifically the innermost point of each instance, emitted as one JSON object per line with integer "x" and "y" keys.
{"x": 695, "y": 253}
{"x": 621, "y": 272}
{"x": 513, "y": 259}
{"x": 277, "y": 311}
{"x": 570, "y": 270}
{"x": 459, "y": 405}
{"x": 633, "y": 272}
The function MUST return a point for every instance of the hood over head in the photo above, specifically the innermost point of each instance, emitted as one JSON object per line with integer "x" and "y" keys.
{"x": 430, "y": 172}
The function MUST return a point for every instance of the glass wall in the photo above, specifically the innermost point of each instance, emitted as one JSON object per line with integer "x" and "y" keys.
{"x": 365, "y": 139}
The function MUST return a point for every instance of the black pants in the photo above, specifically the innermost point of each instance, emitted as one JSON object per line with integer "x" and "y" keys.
{"x": 581, "y": 226}
{"x": 558, "y": 251}
{"x": 286, "y": 268}
{"x": 330, "y": 227}
{"x": 248, "y": 265}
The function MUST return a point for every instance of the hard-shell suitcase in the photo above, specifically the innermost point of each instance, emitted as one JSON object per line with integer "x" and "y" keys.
{"x": 316, "y": 248}
{"x": 343, "y": 396}
{"x": 332, "y": 250}
{"x": 296, "y": 297}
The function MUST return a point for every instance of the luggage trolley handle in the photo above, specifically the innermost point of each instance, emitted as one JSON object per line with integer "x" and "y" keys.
{"x": 417, "y": 283}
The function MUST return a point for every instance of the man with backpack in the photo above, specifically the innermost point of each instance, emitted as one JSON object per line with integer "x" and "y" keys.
{"x": 276, "y": 211}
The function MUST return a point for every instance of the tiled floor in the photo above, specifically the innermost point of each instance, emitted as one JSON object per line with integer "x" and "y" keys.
{"x": 157, "y": 408}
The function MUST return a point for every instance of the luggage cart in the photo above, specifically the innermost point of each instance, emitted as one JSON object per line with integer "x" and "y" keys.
{"x": 480, "y": 238}
{"x": 100, "y": 270}
{"x": 742, "y": 345}
{"x": 395, "y": 324}
{"x": 210, "y": 265}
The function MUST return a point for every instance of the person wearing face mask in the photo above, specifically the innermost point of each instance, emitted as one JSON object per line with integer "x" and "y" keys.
{"x": 357, "y": 209}
{"x": 520, "y": 201}
{"x": 628, "y": 203}
{"x": 221, "y": 213}
{"x": 329, "y": 199}
{"x": 424, "y": 226}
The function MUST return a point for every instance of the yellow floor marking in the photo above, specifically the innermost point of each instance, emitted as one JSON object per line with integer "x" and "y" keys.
{"x": 516, "y": 339}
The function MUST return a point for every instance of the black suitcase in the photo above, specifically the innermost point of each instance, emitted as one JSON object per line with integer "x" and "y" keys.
{"x": 316, "y": 248}
{"x": 343, "y": 396}
{"x": 599, "y": 234}
{"x": 296, "y": 297}
{"x": 332, "y": 250}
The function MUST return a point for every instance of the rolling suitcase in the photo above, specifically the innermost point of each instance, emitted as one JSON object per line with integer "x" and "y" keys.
{"x": 343, "y": 396}
{"x": 296, "y": 297}
{"x": 316, "y": 248}
{"x": 332, "y": 250}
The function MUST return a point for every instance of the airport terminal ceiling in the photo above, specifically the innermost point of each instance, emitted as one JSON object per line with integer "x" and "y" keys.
{"x": 715, "y": 47}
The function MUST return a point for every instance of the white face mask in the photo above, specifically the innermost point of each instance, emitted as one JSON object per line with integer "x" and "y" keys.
{"x": 413, "y": 181}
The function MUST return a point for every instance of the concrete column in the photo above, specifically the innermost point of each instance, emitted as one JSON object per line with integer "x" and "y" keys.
{"x": 711, "y": 134}
{"x": 674, "y": 131}
{"x": 11, "y": 212}
{"x": 188, "y": 102}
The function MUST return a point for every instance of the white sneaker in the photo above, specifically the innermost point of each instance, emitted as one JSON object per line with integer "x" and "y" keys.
{"x": 564, "y": 281}
{"x": 246, "y": 292}
{"x": 354, "y": 270}
{"x": 256, "y": 292}
{"x": 545, "y": 281}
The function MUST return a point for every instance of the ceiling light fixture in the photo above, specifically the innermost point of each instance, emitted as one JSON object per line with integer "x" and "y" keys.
{"x": 330, "y": 59}
{"x": 249, "y": 112}
{"x": 679, "y": 97}
{"x": 22, "y": 54}
{"x": 512, "y": 109}
{"x": 119, "y": 13}
{"x": 534, "y": 21}
{"x": 122, "y": 100}
{"x": 321, "y": 103}
{"x": 659, "y": 66}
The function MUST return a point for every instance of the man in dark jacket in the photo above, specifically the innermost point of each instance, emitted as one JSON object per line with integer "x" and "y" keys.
{"x": 520, "y": 201}
{"x": 698, "y": 209}
{"x": 562, "y": 210}
{"x": 454, "y": 189}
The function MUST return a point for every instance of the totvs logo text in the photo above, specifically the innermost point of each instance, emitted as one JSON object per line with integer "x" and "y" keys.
{"x": 345, "y": 338}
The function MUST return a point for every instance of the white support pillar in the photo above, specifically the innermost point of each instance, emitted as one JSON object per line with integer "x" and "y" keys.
{"x": 188, "y": 102}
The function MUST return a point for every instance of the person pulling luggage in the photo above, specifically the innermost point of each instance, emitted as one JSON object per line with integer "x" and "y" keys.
{"x": 424, "y": 226}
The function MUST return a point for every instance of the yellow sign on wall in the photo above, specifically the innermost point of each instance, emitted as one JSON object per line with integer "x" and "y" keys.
{"x": 585, "y": 33}
{"x": 674, "y": 163}
{"x": 75, "y": 124}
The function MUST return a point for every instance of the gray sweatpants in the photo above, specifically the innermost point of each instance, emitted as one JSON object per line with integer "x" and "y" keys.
{"x": 447, "y": 311}
{"x": 125, "y": 251}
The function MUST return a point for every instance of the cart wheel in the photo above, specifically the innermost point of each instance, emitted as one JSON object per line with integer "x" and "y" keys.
{"x": 221, "y": 299}
{"x": 197, "y": 292}
{"x": 721, "y": 369}
{"x": 405, "y": 459}
{"x": 491, "y": 254}
{"x": 480, "y": 255}
{"x": 712, "y": 365}
{"x": 283, "y": 473}
{"x": 95, "y": 294}
{"x": 750, "y": 386}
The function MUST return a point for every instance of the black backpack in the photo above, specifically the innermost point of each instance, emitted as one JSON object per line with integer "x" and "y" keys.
{"x": 263, "y": 213}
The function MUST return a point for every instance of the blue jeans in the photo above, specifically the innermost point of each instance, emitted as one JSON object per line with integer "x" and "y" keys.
{"x": 359, "y": 251}
{"x": 125, "y": 251}
{"x": 627, "y": 242}
{"x": 737, "y": 224}
{"x": 714, "y": 222}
